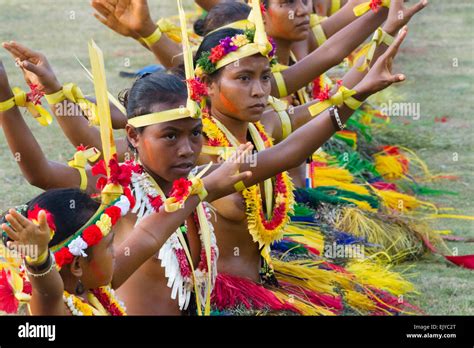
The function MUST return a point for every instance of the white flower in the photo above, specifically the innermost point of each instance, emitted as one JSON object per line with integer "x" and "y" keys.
{"x": 77, "y": 247}
{"x": 124, "y": 205}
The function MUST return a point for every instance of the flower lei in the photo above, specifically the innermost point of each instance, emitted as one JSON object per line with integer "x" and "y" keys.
{"x": 106, "y": 297}
{"x": 152, "y": 198}
{"x": 264, "y": 231}
{"x": 208, "y": 60}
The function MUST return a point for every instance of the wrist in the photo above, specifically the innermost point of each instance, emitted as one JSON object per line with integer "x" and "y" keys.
{"x": 362, "y": 92}
{"x": 5, "y": 93}
{"x": 209, "y": 186}
{"x": 53, "y": 87}
{"x": 39, "y": 260}
{"x": 147, "y": 29}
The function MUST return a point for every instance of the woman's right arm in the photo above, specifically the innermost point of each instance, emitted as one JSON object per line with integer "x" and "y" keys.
{"x": 27, "y": 152}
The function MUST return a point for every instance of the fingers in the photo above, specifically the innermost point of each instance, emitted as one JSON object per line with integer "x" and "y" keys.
{"x": 397, "y": 78}
{"x": 9, "y": 231}
{"x": 14, "y": 223}
{"x": 100, "y": 8}
{"x": 393, "y": 49}
{"x": 13, "y": 51}
{"x": 417, "y": 8}
{"x": 241, "y": 176}
{"x": 43, "y": 223}
{"x": 35, "y": 69}
{"x": 23, "y": 221}
{"x": 26, "y": 52}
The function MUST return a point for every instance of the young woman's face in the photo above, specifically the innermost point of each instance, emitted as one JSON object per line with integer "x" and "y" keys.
{"x": 241, "y": 89}
{"x": 170, "y": 149}
{"x": 98, "y": 268}
{"x": 288, "y": 19}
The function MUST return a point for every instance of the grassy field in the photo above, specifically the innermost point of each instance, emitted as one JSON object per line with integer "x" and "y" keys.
{"x": 437, "y": 59}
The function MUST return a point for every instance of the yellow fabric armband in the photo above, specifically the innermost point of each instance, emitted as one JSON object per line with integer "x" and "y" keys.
{"x": 80, "y": 160}
{"x": 343, "y": 96}
{"x": 315, "y": 23}
{"x": 280, "y": 107}
{"x": 380, "y": 36}
{"x": 73, "y": 93}
{"x": 20, "y": 98}
{"x": 359, "y": 10}
{"x": 335, "y": 6}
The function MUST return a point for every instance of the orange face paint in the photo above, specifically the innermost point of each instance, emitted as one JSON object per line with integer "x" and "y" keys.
{"x": 227, "y": 103}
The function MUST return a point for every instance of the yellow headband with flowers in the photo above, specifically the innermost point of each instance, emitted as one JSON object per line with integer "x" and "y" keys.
{"x": 231, "y": 49}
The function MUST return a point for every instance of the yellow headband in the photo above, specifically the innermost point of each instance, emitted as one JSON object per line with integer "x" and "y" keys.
{"x": 159, "y": 117}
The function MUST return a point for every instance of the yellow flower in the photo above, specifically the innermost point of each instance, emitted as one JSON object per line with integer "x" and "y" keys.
{"x": 198, "y": 71}
{"x": 240, "y": 40}
{"x": 104, "y": 224}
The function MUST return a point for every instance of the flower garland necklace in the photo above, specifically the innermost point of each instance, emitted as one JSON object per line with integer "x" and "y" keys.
{"x": 263, "y": 230}
{"x": 104, "y": 300}
{"x": 174, "y": 254}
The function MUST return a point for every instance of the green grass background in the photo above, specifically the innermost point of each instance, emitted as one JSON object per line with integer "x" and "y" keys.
{"x": 438, "y": 36}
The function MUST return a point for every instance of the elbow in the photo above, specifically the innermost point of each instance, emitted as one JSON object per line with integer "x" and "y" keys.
{"x": 36, "y": 181}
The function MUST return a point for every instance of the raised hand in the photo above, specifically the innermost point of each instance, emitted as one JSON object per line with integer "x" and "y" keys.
{"x": 24, "y": 232}
{"x": 106, "y": 15}
{"x": 380, "y": 76}
{"x": 36, "y": 68}
{"x": 127, "y": 17}
{"x": 399, "y": 15}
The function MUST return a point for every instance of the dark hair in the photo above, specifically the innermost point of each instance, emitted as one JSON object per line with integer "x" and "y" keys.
{"x": 212, "y": 40}
{"x": 222, "y": 14}
{"x": 71, "y": 209}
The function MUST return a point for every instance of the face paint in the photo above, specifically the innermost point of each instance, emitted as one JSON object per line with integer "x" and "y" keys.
{"x": 227, "y": 103}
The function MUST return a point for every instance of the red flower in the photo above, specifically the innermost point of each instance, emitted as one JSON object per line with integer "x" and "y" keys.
{"x": 156, "y": 202}
{"x": 27, "y": 289}
{"x": 216, "y": 54}
{"x": 99, "y": 168}
{"x": 114, "y": 212}
{"x": 63, "y": 257}
{"x": 8, "y": 301}
{"x": 119, "y": 174}
{"x": 375, "y": 5}
{"x": 323, "y": 94}
{"x": 262, "y": 8}
{"x": 101, "y": 182}
{"x": 35, "y": 95}
{"x": 81, "y": 148}
{"x": 128, "y": 193}
{"x": 180, "y": 189}
{"x": 33, "y": 215}
{"x": 198, "y": 89}
{"x": 92, "y": 235}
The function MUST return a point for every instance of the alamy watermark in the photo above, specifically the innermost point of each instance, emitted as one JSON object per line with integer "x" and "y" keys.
{"x": 401, "y": 110}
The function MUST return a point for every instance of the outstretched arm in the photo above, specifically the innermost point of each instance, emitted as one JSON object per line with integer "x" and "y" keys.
{"x": 331, "y": 53}
{"x": 37, "y": 70}
{"x": 304, "y": 141}
{"x": 398, "y": 17}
